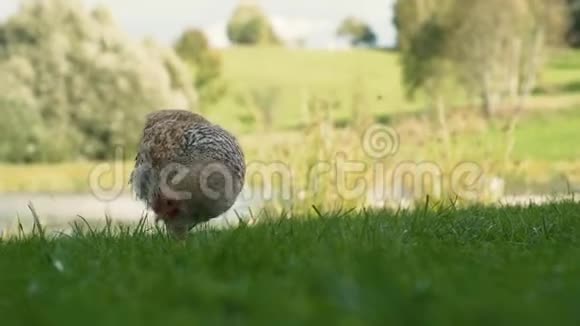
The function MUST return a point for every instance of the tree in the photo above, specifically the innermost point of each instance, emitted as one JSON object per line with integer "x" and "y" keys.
{"x": 410, "y": 16}
{"x": 487, "y": 47}
{"x": 547, "y": 23}
{"x": 250, "y": 26}
{"x": 494, "y": 54}
{"x": 499, "y": 53}
{"x": 359, "y": 32}
{"x": 192, "y": 44}
{"x": 573, "y": 34}
{"x": 194, "y": 48}
{"x": 427, "y": 68}
{"x": 20, "y": 131}
{"x": 88, "y": 84}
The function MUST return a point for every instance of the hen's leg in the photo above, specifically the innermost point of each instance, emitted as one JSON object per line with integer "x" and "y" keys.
{"x": 177, "y": 230}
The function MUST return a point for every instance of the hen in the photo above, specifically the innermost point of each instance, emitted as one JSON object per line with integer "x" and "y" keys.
{"x": 187, "y": 170}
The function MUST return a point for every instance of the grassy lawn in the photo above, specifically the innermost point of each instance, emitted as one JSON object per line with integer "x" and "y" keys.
{"x": 371, "y": 77}
{"x": 562, "y": 70}
{"x": 550, "y": 137}
{"x": 476, "y": 266}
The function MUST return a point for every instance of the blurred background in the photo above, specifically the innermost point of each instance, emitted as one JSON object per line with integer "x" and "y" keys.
{"x": 492, "y": 82}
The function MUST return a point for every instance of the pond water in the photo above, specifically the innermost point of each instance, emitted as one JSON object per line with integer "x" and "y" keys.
{"x": 58, "y": 211}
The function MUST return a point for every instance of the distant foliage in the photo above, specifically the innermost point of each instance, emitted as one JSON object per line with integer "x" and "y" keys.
{"x": 72, "y": 85}
{"x": 192, "y": 44}
{"x": 573, "y": 35}
{"x": 358, "y": 32}
{"x": 502, "y": 66}
{"x": 194, "y": 48}
{"x": 493, "y": 49}
{"x": 410, "y": 16}
{"x": 250, "y": 26}
{"x": 422, "y": 39}
{"x": 19, "y": 143}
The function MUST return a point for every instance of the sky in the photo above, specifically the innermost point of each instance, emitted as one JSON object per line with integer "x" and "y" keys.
{"x": 315, "y": 21}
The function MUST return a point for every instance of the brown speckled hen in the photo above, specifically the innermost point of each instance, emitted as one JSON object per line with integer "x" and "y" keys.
{"x": 187, "y": 170}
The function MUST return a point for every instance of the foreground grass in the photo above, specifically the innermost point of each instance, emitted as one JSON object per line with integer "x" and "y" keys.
{"x": 442, "y": 266}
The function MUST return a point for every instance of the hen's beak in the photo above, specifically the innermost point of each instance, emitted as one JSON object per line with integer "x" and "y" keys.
{"x": 166, "y": 209}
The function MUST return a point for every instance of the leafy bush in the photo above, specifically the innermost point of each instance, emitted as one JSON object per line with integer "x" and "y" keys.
{"x": 80, "y": 82}
{"x": 358, "y": 32}
{"x": 19, "y": 132}
{"x": 194, "y": 48}
{"x": 249, "y": 26}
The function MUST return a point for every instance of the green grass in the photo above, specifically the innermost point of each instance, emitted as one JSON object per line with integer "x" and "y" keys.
{"x": 476, "y": 266}
{"x": 562, "y": 69}
{"x": 545, "y": 136}
{"x": 303, "y": 74}
{"x": 370, "y": 78}
{"x": 549, "y": 137}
